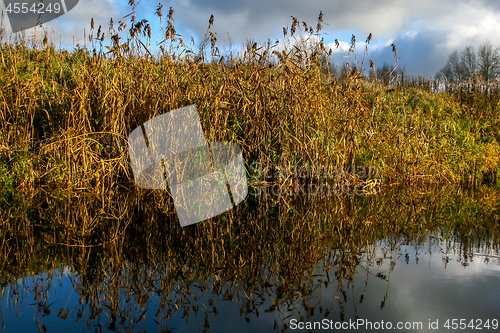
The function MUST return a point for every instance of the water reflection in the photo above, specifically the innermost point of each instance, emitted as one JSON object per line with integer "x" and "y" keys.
{"x": 122, "y": 263}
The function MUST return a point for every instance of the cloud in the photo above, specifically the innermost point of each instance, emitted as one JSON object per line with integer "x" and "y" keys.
{"x": 261, "y": 19}
{"x": 79, "y": 18}
{"x": 425, "y": 31}
{"x": 70, "y": 27}
{"x": 419, "y": 53}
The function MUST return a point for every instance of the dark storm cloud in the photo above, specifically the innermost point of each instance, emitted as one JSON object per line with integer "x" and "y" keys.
{"x": 260, "y": 19}
{"x": 493, "y": 4}
{"x": 420, "y": 54}
{"x": 425, "y": 31}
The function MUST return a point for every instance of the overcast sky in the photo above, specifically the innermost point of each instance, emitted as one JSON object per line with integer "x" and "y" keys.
{"x": 424, "y": 31}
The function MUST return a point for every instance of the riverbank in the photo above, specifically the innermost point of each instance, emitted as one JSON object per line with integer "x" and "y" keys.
{"x": 66, "y": 116}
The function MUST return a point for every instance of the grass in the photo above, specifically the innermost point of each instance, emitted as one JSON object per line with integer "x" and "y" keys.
{"x": 65, "y": 116}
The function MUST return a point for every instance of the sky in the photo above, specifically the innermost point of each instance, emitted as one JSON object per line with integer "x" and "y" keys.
{"x": 425, "y": 32}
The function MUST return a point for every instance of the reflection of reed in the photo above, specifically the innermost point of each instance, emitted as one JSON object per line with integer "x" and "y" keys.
{"x": 269, "y": 255}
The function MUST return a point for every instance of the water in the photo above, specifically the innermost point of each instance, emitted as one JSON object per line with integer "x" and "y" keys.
{"x": 414, "y": 257}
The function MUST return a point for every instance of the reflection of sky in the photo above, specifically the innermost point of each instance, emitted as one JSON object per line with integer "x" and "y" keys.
{"x": 414, "y": 292}
{"x": 423, "y": 291}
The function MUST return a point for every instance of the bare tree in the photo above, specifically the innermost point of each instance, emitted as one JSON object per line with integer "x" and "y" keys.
{"x": 468, "y": 62}
{"x": 384, "y": 73}
{"x": 460, "y": 67}
{"x": 454, "y": 70}
{"x": 488, "y": 62}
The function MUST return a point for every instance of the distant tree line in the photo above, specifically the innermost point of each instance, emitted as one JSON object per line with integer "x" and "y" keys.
{"x": 461, "y": 66}
{"x": 384, "y": 73}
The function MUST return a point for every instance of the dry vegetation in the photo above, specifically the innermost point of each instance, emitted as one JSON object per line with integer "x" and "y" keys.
{"x": 65, "y": 116}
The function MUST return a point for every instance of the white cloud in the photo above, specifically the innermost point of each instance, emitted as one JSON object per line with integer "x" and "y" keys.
{"x": 411, "y": 34}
